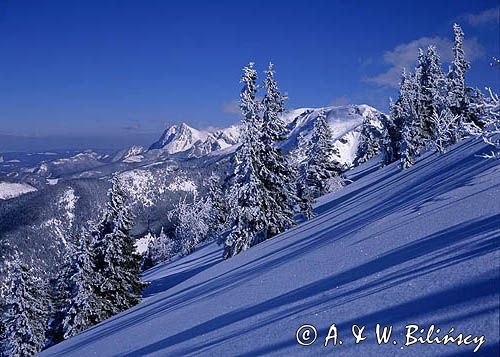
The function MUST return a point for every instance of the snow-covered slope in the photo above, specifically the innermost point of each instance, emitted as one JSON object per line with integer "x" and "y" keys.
{"x": 418, "y": 246}
{"x": 11, "y": 190}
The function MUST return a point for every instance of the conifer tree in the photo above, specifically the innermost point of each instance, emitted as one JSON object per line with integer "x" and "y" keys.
{"x": 218, "y": 206}
{"x": 393, "y": 126}
{"x": 432, "y": 87}
{"x": 320, "y": 165}
{"x": 370, "y": 141}
{"x": 275, "y": 172}
{"x": 25, "y": 312}
{"x": 247, "y": 194}
{"x": 116, "y": 259}
{"x": 83, "y": 303}
{"x": 305, "y": 193}
{"x": 407, "y": 109}
{"x": 60, "y": 292}
{"x": 456, "y": 74}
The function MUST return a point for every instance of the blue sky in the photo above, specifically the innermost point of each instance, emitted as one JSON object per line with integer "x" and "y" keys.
{"x": 124, "y": 70}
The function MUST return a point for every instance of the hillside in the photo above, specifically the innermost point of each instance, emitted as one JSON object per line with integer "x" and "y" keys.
{"x": 395, "y": 247}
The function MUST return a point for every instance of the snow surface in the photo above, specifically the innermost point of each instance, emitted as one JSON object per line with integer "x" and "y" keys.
{"x": 10, "y": 190}
{"x": 52, "y": 182}
{"x": 134, "y": 158}
{"x": 395, "y": 247}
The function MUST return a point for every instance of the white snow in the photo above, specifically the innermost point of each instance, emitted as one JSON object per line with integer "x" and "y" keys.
{"x": 133, "y": 159}
{"x": 395, "y": 247}
{"x": 10, "y": 190}
{"x": 348, "y": 147}
{"x": 182, "y": 184}
{"x": 52, "y": 182}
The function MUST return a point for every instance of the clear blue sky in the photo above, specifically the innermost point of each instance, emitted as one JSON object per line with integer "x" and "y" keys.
{"x": 123, "y": 69}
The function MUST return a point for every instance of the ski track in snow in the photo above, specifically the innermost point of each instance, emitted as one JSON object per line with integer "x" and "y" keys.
{"x": 395, "y": 247}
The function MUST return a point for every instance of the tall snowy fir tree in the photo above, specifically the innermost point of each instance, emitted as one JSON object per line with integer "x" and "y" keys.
{"x": 60, "y": 292}
{"x": 218, "y": 207}
{"x": 25, "y": 314}
{"x": 321, "y": 167}
{"x": 407, "y": 109}
{"x": 422, "y": 104}
{"x": 456, "y": 76}
{"x": 115, "y": 257}
{"x": 275, "y": 172}
{"x": 83, "y": 302}
{"x": 432, "y": 87}
{"x": 247, "y": 194}
{"x": 371, "y": 138}
{"x": 304, "y": 192}
{"x": 393, "y": 126}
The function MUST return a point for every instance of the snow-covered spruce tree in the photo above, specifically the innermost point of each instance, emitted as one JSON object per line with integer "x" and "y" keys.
{"x": 321, "y": 167}
{"x": 247, "y": 195}
{"x": 218, "y": 207}
{"x": 275, "y": 172}
{"x": 25, "y": 312}
{"x": 304, "y": 192}
{"x": 457, "y": 99}
{"x": 393, "y": 126}
{"x": 407, "y": 110}
{"x": 83, "y": 303}
{"x": 59, "y": 291}
{"x": 432, "y": 91}
{"x": 115, "y": 257}
{"x": 370, "y": 141}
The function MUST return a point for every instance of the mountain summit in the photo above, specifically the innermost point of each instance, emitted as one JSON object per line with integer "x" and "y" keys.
{"x": 345, "y": 121}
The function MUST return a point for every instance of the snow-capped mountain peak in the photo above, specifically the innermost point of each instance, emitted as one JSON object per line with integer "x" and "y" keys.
{"x": 344, "y": 120}
{"x": 183, "y": 138}
{"x": 178, "y": 138}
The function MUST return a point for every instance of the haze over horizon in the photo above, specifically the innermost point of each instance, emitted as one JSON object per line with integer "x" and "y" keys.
{"x": 99, "y": 75}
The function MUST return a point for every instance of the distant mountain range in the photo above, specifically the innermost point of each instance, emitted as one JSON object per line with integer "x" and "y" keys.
{"x": 58, "y": 192}
{"x": 180, "y": 142}
{"x": 345, "y": 122}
